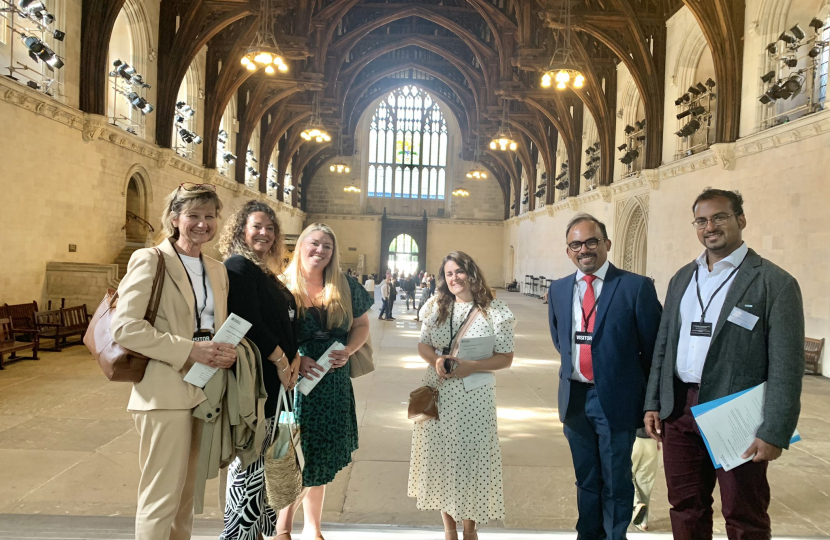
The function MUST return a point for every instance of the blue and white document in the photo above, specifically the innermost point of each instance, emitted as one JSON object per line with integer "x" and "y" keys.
{"x": 728, "y": 425}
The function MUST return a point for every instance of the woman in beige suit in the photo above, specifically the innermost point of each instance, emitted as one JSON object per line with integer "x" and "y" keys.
{"x": 193, "y": 306}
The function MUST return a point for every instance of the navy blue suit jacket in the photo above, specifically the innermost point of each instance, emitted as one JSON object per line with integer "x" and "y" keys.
{"x": 625, "y": 330}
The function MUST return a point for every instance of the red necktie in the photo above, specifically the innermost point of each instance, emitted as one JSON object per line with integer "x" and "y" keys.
{"x": 586, "y": 366}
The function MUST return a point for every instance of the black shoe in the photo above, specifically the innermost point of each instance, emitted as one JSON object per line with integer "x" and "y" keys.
{"x": 640, "y": 513}
{"x": 390, "y": 319}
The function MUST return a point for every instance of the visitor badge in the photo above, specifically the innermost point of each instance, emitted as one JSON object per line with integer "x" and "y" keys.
{"x": 583, "y": 338}
{"x": 291, "y": 314}
{"x": 701, "y": 329}
{"x": 742, "y": 318}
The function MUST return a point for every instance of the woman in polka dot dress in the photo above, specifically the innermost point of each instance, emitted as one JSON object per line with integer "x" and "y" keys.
{"x": 455, "y": 466}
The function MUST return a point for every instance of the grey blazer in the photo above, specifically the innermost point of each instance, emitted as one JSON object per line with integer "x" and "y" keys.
{"x": 773, "y": 351}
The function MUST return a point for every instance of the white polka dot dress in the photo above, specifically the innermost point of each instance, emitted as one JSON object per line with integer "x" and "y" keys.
{"x": 455, "y": 465}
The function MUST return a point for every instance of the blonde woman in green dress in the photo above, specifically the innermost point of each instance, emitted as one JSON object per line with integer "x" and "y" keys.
{"x": 329, "y": 303}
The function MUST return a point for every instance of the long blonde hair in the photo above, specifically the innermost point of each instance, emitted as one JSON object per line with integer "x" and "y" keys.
{"x": 337, "y": 296}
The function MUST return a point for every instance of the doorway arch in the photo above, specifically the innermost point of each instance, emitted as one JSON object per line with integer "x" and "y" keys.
{"x": 138, "y": 196}
{"x": 403, "y": 255}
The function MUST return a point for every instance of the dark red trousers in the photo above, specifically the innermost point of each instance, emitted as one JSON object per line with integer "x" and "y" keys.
{"x": 691, "y": 478}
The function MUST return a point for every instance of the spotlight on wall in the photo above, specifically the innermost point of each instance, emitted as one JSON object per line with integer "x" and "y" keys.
{"x": 701, "y": 88}
{"x": 679, "y": 101}
{"x": 630, "y": 156}
{"x": 128, "y": 73}
{"x": 787, "y": 38}
{"x": 793, "y": 85}
{"x": 622, "y": 147}
{"x": 223, "y": 137}
{"x": 695, "y": 91}
{"x": 798, "y": 32}
{"x": 816, "y": 24}
{"x": 791, "y": 61}
{"x": 228, "y": 157}
{"x": 629, "y": 130}
{"x": 640, "y": 124}
{"x": 683, "y": 114}
{"x": 710, "y": 83}
{"x": 183, "y": 109}
{"x": 139, "y": 103}
{"x": 35, "y": 9}
{"x": 815, "y": 51}
{"x": 767, "y": 77}
{"x": 772, "y": 49}
{"x": 697, "y": 111}
{"x": 250, "y": 154}
{"x": 189, "y": 136}
{"x": 38, "y": 50}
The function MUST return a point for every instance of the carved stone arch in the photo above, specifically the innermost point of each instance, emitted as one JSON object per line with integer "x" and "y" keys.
{"x": 137, "y": 38}
{"x": 632, "y": 235}
{"x": 141, "y": 32}
{"x": 138, "y": 194}
{"x": 685, "y": 74}
{"x": 771, "y": 17}
{"x": 630, "y": 103}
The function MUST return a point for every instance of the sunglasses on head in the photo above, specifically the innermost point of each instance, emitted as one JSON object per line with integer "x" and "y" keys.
{"x": 190, "y": 186}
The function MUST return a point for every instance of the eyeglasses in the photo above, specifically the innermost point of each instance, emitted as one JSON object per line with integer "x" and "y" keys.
{"x": 190, "y": 186}
{"x": 590, "y": 243}
{"x": 718, "y": 220}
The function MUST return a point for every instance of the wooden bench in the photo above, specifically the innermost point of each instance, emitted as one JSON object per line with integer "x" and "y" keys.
{"x": 59, "y": 324}
{"x": 23, "y": 319}
{"x": 812, "y": 355}
{"x": 11, "y": 347}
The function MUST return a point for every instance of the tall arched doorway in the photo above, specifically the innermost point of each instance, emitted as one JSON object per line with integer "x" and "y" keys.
{"x": 403, "y": 255}
{"x": 635, "y": 242}
{"x": 136, "y": 225}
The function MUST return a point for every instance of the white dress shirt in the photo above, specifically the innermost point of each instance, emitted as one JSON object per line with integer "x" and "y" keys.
{"x": 579, "y": 294}
{"x": 384, "y": 290}
{"x": 692, "y": 350}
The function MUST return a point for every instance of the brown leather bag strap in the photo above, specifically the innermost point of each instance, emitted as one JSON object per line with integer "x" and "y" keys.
{"x": 155, "y": 294}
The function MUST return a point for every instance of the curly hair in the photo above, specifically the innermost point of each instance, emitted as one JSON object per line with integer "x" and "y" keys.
{"x": 482, "y": 295}
{"x": 232, "y": 240}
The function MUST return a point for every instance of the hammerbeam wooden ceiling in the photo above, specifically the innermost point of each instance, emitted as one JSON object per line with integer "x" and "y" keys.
{"x": 474, "y": 54}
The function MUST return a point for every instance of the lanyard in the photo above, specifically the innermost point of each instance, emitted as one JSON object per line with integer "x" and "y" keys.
{"x": 714, "y": 294}
{"x": 204, "y": 284}
{"x": 586, "y": 318}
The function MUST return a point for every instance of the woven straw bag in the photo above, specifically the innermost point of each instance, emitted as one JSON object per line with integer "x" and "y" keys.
{"x": 284, "y": 460}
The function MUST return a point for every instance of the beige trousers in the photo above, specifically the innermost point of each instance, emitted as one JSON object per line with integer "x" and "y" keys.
{"x": 167, "y": 456}
{"x": 644, "y": 470}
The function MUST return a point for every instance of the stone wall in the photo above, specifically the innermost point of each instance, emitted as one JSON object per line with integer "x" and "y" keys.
{"x": 780, "y": 173}
{"x": 78, "y": 283}
{"x": 67, "y": 184}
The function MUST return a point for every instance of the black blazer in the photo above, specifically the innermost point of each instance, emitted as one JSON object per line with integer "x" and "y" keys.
{"x": 264, "y": 302}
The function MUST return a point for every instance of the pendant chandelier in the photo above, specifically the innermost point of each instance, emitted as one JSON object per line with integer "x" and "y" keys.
{"x": 504, "y": 137}
{"x": 340, "y": 165}
{"x": 264, "y": 52}
{"x": 460, "y": 192}
{"x": 315, "y": 130}
{"x": 477, "y": 172}
{"x": 351, "y": 188}
{"x": 563, "y": 70}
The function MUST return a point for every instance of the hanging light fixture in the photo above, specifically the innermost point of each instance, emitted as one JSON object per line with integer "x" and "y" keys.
{"x": 504, "y": 137}
{"x": 460, "y": 192}
{"x": 315, "y": 130}
{"x": 477, "y": 172}
{"x": 340, "y": 165}
{"x": 264, "y": 51}
{"x": 563, "y": 70}
{"x": 351, "y": 188}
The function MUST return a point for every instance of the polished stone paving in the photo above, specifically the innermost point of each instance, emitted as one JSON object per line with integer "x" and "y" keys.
{"x": 69, "y": 448}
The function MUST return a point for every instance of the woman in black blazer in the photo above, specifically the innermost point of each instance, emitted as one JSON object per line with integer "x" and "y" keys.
{"x": 252, "y": 245}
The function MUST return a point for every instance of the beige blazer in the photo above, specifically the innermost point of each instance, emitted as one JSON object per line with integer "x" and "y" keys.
{"x": 169, "y": 342}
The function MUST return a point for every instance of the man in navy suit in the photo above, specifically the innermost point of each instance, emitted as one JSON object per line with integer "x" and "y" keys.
{"x": 604, "y": 324}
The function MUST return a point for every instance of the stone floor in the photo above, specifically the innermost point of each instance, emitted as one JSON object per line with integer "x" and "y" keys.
{"x": 68, "y": 447}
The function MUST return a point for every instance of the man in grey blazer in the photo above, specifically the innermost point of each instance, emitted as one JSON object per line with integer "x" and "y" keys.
{"x": 732, "y": 320}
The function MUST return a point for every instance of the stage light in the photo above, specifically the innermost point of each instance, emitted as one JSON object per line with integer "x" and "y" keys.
{"x": 816, "y": 24}
{"x": 686, "y": 97}
{"x": 57, "y": 34}
{"x": 786, "y": 37}
{"x": 38, "y": 50}
{"x": 641, "y": 124}
{"x": 678, "y": 101}
{"x": 767, "y": 77}
{"x": 710, "y": 83}
{"x": 622, "y": 147}
{"x": 701, "y": 88}
{"x": 35, "y": 9}
{"x": 793, "y": 85}
{"x": 184, "y": 109}
{"x": 798, "y": 32}
{"x": 698, "y": 110}
{"x": 772, "y": 49}
{"x": 629, "y": 130}
{"x": 815, "y": 51}
{"x": 684, "y": 114}
{"x": 694, "y": 91}
{"x": 228, "y": 157}
{"x": 791, "y": 61}
{"x": 765, "y": 99}
{"x": 139, "y": 103}
{"x": 630, "y": 156}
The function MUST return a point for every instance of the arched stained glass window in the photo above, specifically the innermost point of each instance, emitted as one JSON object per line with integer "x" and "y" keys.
{"x": 408, "y": 147}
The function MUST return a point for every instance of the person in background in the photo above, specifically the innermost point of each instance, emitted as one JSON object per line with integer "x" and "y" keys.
{"x": 603, "y": 322}
{"x": 385, "y": 287}
{"x": 643, "y": 471}
{"x": 455, "y": 464}
{"x": 733, "y": 321}
{"x": 331, "y": 308}
{"x": 431, "y": 284}
{"x": 409, "y": 289}
{"x": 252, "y": 245}
{"x": 422, "y": 301}
{"x": 393, "y": 291}
{"x": 370, "y": 285}
{"x": 193, "y": 305}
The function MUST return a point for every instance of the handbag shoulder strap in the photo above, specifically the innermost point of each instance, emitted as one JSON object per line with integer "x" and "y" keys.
{"x": 463, "y": 330}
{"x": 155, "y": 293}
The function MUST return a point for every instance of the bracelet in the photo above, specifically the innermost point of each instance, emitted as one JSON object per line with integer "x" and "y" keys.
{"x": 285, "y": 369}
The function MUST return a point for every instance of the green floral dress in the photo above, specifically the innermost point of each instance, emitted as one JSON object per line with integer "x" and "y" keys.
{"x": 327, "y": 417}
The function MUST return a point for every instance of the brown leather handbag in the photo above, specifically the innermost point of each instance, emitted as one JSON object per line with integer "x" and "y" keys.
{"x": 118, "y": 363}
{"x": 423, "y": 401}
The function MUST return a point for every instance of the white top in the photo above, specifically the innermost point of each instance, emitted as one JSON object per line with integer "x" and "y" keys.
{"x": 498, "y": 321}
{"x": 384, "y": 290}
{"x": 195, "y": 269}
{"x": 692, "y": 350}
{"x": 370, "y": 286}
{"x": 579, "y": 294}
